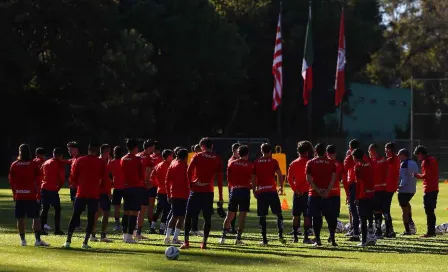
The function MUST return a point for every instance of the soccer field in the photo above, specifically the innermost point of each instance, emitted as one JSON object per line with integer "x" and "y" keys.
{"x": 401, "y": 254}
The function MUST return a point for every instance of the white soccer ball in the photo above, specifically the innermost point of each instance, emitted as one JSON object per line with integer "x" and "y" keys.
{"x": 347, "y": 227}
{"x": 172, "y": 253}
{"x": 440, "y": 229}
{"x": 340, "y": 227}
{"x": 383, "y": 228}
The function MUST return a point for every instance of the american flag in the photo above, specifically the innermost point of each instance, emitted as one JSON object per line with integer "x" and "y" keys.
{"x": 277, "y": 67}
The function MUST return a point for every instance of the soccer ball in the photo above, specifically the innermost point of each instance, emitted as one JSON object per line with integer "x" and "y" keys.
{"x": 340, "y": 227}
{"x": 383, "y": 227}
{"x": 172, "y": 253}
{"x": 440, "y": 229}
{"x": 347, "y": 227}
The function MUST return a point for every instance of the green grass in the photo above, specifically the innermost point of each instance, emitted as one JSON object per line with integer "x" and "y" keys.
{"x": 403, "y": 253}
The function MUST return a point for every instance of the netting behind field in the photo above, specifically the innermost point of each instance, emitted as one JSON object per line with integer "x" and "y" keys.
{"x": 430, "y": 118}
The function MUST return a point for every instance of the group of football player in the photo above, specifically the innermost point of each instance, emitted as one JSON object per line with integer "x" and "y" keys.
{"x": 184, "y": 187}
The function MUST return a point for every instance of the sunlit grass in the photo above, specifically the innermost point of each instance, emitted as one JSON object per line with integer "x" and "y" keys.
{"x": 401, "y": 254}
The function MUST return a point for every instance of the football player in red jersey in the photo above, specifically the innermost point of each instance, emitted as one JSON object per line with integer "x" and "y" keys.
{"x": 53, "y": 177}
{"x": 87, "y": 174}
{"x": 118, "y": 184}
{"x": 134, "y": 174}
{"x": 235, "y": 156}
{"x": 349, "y": 165}
{"x": 334, "y": 196}
{"x": 380, "y": 202}
{"x": 364, "y": 196}
{"x": 39, "y": 160}
{"x": 158, "y": 177}
{"x": 321, "y": 175}
{"x": 392, "y": 180}
{"x": 150, "y": 190}
{"x": 73, "y": 151}
{"x": 177, "y": 187}
{"x": 430, "y": 176}
{"x": 105, "y": 198}
{"x": 203, "y": 169}
{"x": 195, "y": 218}
{"x": 23, "y": 177}
{"x": 297, "y": 181}
{"x": 239, "y": 178}
{"x": 265, "y": 191}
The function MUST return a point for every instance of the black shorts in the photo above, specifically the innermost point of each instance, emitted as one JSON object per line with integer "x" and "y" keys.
{"x": 365, "y": 207}
{"x": 178, "y": 206}
{"x": 50, "y": 198}
{"x": 239, "y": 200}
{"x": 162, "y": 202}
{"x": 27, "y": 209}
{"x": 73, "y": 191}
{"x": 300, "y": 204}
{"x": 117, "y": 196}
{"x": 266, "y": 200}
{"x": 200, "y": 201}
{"x": 334, "y": 205}
{"x": 318, "y": 206}
{"x": 430, "y": 200}
{"x": 105, "y": 202}
{"x": 152, "y": 193}
{"x": 132, "y": 199}
{"x": 82, "y": 203}
{"x": 381, "y": 201}
{"x": 404, "y": 199}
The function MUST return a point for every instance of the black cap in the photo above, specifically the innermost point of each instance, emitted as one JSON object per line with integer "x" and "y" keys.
{"x": 404, "y": 152}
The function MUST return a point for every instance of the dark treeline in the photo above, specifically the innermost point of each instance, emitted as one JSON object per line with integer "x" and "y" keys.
{"x": 172, "y": 70}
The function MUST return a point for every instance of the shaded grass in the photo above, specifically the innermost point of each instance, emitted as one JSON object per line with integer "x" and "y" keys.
{"x": 403, "y": 253}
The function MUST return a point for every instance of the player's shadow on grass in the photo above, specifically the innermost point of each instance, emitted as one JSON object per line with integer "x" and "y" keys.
{"x": 408, "y": 248}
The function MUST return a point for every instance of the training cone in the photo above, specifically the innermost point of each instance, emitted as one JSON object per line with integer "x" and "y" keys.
{"x": 446, "y": 181}
{"x": 285, "y": 205}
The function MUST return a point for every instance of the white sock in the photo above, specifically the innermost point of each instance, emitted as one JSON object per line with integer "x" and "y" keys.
{"x": 168, "y": 233}
{"x": 162, "y": 226}
{"x": 153, "y": 225}
{"x": 176, "y": 233}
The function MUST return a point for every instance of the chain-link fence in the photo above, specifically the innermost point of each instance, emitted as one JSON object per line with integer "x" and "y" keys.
{"x": 429, "y": 118}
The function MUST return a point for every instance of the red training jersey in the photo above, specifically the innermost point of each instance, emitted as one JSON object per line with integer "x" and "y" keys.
{"x": 430, "y": 174}
{"x": 393, "y": 173}
{"x": 321, "y": 170}
{"x": 203, "y": 168}
{"x": 88, "y": 174}
{"x": 53, "y": 175}
{"x": 156, "y": 159}
{"x": 133, "y": 171}
{"x": 40, "y": 162}
{"x": 297, "y": 176}
{"x": 232, "y": 159}
{"x": 106, "y": 183}
{"x": 380, "y": 168}
{"x": 349, "y": 165}
{"x": 364, "y": 180}
{"x": 158, "y": 176}
{"x": 239, "y": 174}
{"x": 339, "y": 170}
{"x": 264, "y": 171}
{"x": 177, "y": 184}
{"x": 117, "y": 174}
{"x": 70, "y": 162}
{"x": 24, "y": 178}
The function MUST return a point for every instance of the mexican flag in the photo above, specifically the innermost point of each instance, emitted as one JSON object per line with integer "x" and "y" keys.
{"x": 307, "y": 66}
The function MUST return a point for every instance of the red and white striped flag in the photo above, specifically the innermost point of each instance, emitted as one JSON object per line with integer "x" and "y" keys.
{"x": 277, "y": 67}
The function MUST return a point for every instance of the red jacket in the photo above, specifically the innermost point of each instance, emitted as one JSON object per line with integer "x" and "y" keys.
{"x": 24, "y": 178}
{"x": 158, "y": 176}
{"x": 177, "y": 185}
{"x": 53, "y": 175}
{"x": 88, "y": 173}
{"x": 430, "y": 174}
